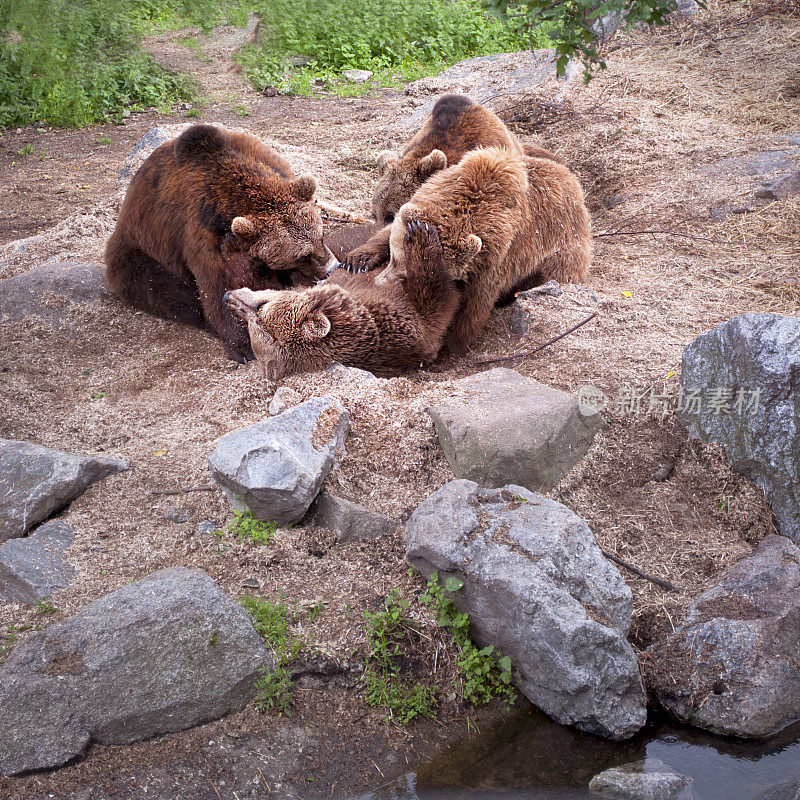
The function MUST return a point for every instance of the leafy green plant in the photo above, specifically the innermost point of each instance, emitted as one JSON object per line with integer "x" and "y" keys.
{"x": 570, "y": 24}
{"x": 398, "y": 40}
{"x": 75, "y": 64}
{"x": 194, "y": 113}
{"x": 25, "y": 150}
{"x": 106, "y": 140}
{"x": 245, "y": 527}
{"x": 485, "y": 675}
{"x": 43, "y": 606}
{"x": 241, "y": 110}
{"x": 272, "y": 621}
{"x": 386, "y": 687}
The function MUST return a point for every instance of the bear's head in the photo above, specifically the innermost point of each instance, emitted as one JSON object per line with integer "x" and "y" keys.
{"x": 252, "y": 203}
{"x": 400, "y": 178}
{"x": 292, "y": 331}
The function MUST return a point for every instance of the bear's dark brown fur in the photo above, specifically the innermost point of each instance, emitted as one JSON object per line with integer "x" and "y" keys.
{"x": 210, "y": 211}
{"x": 383, "y": 329}
{"x": 456, "y": 126}
{"x": 501, "y": 220}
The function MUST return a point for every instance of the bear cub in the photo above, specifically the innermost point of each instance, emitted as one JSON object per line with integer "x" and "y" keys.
{"x": 383, "y": 329}
{"x": 210, "y": 211}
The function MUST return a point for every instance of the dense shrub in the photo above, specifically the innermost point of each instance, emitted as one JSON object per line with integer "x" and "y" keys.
{"x": 76, "y": 63}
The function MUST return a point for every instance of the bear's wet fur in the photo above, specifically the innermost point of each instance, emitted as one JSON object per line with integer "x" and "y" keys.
{"x": 210, "y": 211}
{"x": 384, "y": 329}
{"x": 456, "y": 126}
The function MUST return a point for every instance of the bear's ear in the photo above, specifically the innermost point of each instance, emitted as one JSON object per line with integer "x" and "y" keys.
{"x": 243, "y": 228}
{"x": 387, "y": 159}
{"x": 435, "y": 161}
{"x": 198, "y": 143}
{"x": 316, "y": 326}
{"x": 468, "y": 248}
{"x": 304, "y": 187}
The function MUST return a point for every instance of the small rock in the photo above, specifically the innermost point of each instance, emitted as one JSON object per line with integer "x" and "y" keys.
{"x": 251, "y": 583}
{"x": 357, "y": 75}
{"x": 50, "y": 291}
{"x": 786, "y": 790}
{"x": 510, "y": 429}
{"x": 649, "y": 779}
{"x": 781, "y": 188}
{"x": 179, "y": 516}
{"x": 686, "y": 8}
{"x": 283, "y": 398}
{"x": 145, "y": 146}
{"x": 550, "y": 288}
{"x": 163, "y": 654}
{"x": 36, "y": 481}
{"x": 730, "y": 666}
{"x": 276, "y": 467}
{"x": 537, "y": 587}
{"x": 34, "y": 567}
{"x": 206, "y": 527}
{"x": 753, "y": 360}
{"x": 350, "y": 521}
{"x": 521, "y": 318}
{"x": 344, "y": 375}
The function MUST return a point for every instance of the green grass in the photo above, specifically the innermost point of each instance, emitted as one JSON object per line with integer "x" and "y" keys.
{"x": 245, "y": 527}
{"x": 399, "y": 41}
{"x": 272, "y": 621}
{"x": 75, "y": 64}
{"x": 387, "y": 686}
{"x": 7, "y": 641}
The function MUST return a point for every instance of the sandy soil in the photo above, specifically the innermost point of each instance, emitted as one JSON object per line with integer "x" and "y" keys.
{"x": 645, "y": 137}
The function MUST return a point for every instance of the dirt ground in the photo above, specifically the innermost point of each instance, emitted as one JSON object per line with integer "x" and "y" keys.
{"x": 652, "y": 139}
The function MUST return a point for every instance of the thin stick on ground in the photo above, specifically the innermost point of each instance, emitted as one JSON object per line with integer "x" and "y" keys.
{"x": 636, "y": 571}
{"x": 185, "y": 490}
{"x": 535, "y": 349}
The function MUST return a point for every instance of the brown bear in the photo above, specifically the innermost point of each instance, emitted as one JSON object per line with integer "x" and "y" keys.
{"x": 383, "y": 329}
{"x": 210, "y": 211}
{"x": 456, "y": 126}
{"x": 501, "y": 219}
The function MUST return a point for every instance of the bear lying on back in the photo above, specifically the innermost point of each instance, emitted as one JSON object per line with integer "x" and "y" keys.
{"x": 383, "y": 329}
{"x": 210, "y": 211}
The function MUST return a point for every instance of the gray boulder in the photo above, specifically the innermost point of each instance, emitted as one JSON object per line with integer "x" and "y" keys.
{"x": 504, "y": 428}
{"x": 537, "y": 587}
{"x": 36, "y": 481}
{"x": 350, "y": 521}
{"x": 781, "y": 188}
{"x": 357, "y": 75}
{"x": 649, "y": 779}
{"x": 49, "y": 291}
{"x": 283, "y": 398}
{"x": 731, "y": 667}
{"x": 754, "y": 357}
{"x": 149, "y": 142}
{"x": 276, "y": 467}
{"x": 160, "y": 655}
{"x": 34, "y": 567}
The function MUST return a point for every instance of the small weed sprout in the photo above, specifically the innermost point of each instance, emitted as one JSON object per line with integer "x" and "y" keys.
{"x": 485, "y": 676}
{"x": 7, "y": 641}
{"x": 193, "y": 113}
{"x": 245, "y": 527}
{"x": 43, "y": 606}
{"x": 105, "y": 140}
{"x": 26, "y": 150}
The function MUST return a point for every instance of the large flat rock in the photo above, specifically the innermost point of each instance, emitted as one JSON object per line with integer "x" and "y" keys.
{"x": 745, "y": 375}
{"x": 49, "y": 292}
{"x": 160, "y": 655}
{"x": 732, "y": 666}
{"x": 537, "y": 586}
{"x": 501, "y": 428}
{"x": 36, "y": 481}
{"x": 33, "y": 567}
{"x": 275, "y": 468}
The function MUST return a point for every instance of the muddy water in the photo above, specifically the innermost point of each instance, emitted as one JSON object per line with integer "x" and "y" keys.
{"x": 528, "y": 757}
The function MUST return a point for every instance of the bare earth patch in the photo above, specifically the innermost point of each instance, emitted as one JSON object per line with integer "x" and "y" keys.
{"x": 641, "y": 136}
